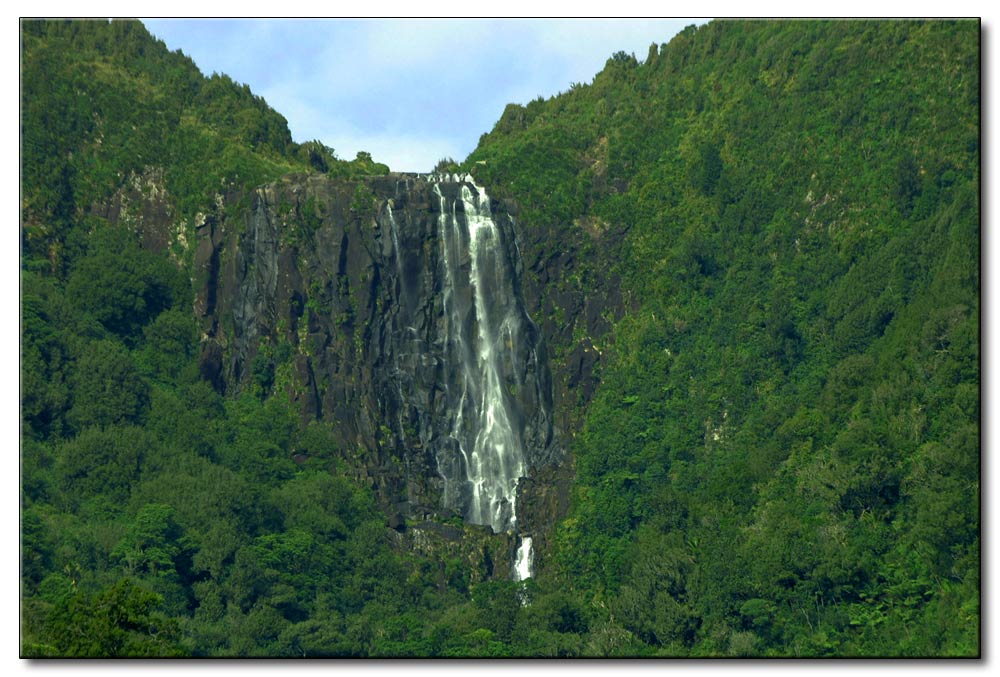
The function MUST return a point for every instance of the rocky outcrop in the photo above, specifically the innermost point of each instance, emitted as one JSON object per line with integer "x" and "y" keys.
{"x": 143, "y": 205}
{"x": 346, "y": 282}
{"x": 483, "y": 555}
{"x": 341, "y": 282}
{"x": 569, "y": 284}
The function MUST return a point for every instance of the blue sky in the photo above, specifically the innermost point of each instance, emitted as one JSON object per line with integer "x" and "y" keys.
{"x": 408, "y": 91}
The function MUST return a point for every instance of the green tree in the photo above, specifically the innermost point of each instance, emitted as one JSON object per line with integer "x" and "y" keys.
{"x": 107, "y": 388}
{"x": 169, "y": 344}
{"x": 121, "y": 621}
{"x": 121, "y": 285}
{"x": 45, "y": 358}
{"x": 102, "y": 463}
{"x": 152, "y": 543}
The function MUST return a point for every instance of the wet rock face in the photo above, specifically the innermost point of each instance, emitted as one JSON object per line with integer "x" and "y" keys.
{"x": 399, "y": 300}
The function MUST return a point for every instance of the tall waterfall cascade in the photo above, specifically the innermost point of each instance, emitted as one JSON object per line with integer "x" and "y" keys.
{"x": 477, "y": 339}
{"x": 491, "y": 451}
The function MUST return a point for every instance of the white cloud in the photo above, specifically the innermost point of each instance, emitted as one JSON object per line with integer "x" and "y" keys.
{"x": 408, "y": 91}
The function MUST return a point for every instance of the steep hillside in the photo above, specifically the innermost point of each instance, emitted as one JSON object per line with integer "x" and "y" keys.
{"x": 106, "y": 107}
{"x": 160, "y": 518}
{"x": 782, "y": 455}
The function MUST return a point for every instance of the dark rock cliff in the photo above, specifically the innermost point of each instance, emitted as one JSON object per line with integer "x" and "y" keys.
{"x": 569, "y": 285}
{"x": 344, "y": 280}
{"x": 337, "y": 283}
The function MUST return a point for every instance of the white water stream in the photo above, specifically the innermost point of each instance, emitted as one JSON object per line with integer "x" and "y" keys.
{"x": 482, "y": 335}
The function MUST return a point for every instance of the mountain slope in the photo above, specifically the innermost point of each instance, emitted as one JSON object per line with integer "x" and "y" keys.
{"x": 782, "y": 454}
{"x": 105, "y": 104}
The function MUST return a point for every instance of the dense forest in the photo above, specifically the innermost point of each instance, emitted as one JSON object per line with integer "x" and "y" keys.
{"x": 780, "y": 456}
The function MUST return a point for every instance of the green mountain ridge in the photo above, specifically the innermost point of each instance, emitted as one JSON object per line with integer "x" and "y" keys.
{"x": 785, "y": 397}
{"x": 754, "y": 257}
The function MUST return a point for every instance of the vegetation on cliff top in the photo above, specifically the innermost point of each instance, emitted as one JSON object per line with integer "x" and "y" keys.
{"x": 782, "y": 457}
{"x": 104, "y": 102}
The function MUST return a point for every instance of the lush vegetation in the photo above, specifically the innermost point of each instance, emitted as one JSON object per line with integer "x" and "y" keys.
{"x": 159, "y": 518}
{"x": 104, "y": 102}
{"x": 782, "y": 457}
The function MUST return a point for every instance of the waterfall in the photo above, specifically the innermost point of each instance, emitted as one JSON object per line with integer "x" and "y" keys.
{"x": 467, "y": 363}
{"x": 523, "y": 561}
{"x": 402, "y": 294}
{"x": 482, "y": 323}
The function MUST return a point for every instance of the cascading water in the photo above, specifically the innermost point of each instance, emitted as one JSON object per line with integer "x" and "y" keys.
{"x": 482, "y": 330}
{"x": 523, "y": 561}
{"x": 402, "y": 293}
{"x": 491, "y": 451}
{"x": 468, "y": 363}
